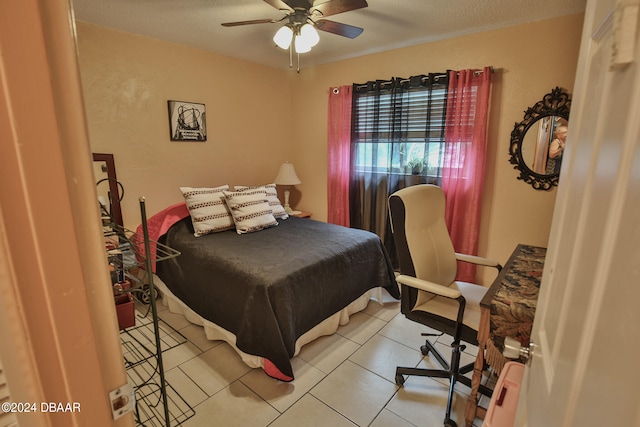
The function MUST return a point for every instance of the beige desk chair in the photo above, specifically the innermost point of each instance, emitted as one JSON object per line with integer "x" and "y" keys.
{"x": 430, "y": 295}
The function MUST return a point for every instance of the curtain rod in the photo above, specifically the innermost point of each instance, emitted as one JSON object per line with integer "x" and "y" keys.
{"x": 491, "y": 68}
{"x": 399, "y": 80}
{"x": 476, "y": 72}
{"x": 436, "y": 77}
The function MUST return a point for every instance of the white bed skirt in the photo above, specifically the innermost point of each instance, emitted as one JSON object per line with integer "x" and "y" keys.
{"x": 216, "y": 333}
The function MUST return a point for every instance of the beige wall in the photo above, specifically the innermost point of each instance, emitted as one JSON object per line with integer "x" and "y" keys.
{"x": 280, "y": 115}
{"x": 532, "y": 59}
{"x": 127, "y": 81}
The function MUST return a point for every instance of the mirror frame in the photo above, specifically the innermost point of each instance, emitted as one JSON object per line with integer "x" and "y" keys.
{"x": 116, "y": 210}
{"x": 555, "y": 103}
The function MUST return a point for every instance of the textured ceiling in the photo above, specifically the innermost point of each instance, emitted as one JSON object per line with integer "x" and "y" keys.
{"x": 388, "y": 24}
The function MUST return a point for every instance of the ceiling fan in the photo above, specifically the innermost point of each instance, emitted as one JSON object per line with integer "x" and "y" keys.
{"x": 303, "y": 17}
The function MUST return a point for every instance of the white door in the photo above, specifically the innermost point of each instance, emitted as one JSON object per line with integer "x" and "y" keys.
{"x": 587, "y": 326}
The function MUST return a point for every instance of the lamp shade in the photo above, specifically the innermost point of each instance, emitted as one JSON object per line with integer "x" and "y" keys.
{"x": 283, "y": 37}
{"x": 301, "y": 45}
{"x": 287, "y": 175}
{"x": 309, "y": 34}
{"x": 307, "y": 38}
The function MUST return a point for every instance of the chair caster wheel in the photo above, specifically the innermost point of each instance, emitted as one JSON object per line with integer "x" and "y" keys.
{"x": 425, "y": 350}
{"x": 399, "y": 380}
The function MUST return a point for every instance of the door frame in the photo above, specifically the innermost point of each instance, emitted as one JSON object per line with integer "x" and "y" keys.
{"x": 58, "y": 314}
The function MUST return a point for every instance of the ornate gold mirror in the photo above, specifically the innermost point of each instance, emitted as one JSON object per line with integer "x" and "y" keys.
{"x": 537, "y": 142}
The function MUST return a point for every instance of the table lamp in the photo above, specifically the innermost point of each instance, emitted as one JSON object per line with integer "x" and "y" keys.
{"x": 287, "y": 177}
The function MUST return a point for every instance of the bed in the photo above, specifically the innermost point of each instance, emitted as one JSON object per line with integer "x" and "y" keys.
{"x": 270, "y": 292}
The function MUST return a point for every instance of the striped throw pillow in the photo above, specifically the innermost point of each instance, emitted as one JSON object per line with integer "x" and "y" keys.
{"x": 208, "y": 209}
{"x": 250, "y": 210}
{"x": 272, "y": 198}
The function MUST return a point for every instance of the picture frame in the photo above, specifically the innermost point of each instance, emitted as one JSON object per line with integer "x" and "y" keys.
{"x": 187, "y": 121}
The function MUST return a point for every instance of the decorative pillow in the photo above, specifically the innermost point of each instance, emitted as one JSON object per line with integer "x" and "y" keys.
{"x": 208, "y": 209}
{"x": 250, "y": 210}
{"x": 272, "y": 198}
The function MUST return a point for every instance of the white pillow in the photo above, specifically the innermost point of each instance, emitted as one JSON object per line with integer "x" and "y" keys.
{"x": 272, "y": 198}
{"x": 250, "y": 210}
{"x": 208, "y": 209}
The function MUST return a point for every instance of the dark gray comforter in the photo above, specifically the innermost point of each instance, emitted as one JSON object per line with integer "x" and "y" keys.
{"x": 270, "y": 287}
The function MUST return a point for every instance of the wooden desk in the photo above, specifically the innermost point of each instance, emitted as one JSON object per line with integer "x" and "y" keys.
{"x": 507, "y": 310}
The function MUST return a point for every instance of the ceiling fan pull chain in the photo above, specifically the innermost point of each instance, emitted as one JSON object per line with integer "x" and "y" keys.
{"x": 291, "y": 55}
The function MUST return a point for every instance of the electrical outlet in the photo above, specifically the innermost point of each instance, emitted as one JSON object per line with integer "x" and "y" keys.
{"x": 122, "y": 400}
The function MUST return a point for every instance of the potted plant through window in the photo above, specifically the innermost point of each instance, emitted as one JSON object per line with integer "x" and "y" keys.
{"x": 415, "y": 166}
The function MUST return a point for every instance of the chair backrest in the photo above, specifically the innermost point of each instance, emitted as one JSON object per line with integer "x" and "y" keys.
{"x": 420, "y": 234}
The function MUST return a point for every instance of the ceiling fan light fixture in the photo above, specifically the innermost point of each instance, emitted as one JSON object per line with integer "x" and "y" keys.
{"x": 309, "y": 34}
{"x": 298, "y": 34}
{"x": 283, "y": 37}
{"x": 306, "y": 38}
{"x": 302, "y": 45}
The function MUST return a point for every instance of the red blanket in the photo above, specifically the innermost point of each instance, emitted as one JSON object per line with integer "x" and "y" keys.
{"x": 158, "y": 225}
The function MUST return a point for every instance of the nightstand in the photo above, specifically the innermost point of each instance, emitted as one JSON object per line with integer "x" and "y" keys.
{"x": 301, "y": 214}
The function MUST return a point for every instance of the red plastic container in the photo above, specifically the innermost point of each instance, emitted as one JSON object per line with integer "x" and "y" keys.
{"x": 125, "y": 311}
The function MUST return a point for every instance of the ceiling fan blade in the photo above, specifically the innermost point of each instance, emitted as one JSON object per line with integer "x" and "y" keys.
{"x": 255, "y": 21}
{"x": 338, "y": 28}
{"x": 325, "y": 7}
{"x": 333, "y": 7}
{"x": 280, "y": 4}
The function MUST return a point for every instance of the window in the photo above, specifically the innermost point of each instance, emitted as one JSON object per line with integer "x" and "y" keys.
{"x": 398, "y": 140}
{"x": 398, "y": 126}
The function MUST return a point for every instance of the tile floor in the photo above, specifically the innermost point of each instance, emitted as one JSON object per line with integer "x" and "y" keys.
{"x": 346, "y": 379}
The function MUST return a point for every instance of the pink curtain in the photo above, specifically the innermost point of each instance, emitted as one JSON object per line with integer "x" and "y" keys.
{"x": 339, "y": 148}
{"x": 464, "y": 159}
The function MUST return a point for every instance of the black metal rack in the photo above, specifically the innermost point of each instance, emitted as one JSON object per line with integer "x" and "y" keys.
{"x": 157, "y": 402}
{"x": 140, "y": 357}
